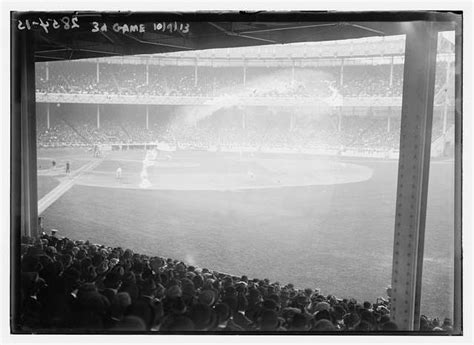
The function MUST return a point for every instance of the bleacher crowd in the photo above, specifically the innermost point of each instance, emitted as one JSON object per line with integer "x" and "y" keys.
{"x": 82, "y": 78}
{"x": 78, "y": 286}
{"x": 356, "y": 132}
{"x": 124, "y": 79}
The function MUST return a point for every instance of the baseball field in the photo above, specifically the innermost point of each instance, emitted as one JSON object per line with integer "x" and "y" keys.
{"x": 312, "y": 221}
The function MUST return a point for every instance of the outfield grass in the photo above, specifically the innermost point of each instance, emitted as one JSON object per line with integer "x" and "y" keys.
{"x": 46, "y": 184}
{"x": 338, "y": 238}
{"x": 77, "y": 157}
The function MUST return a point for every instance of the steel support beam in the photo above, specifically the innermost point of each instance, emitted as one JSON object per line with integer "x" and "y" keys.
{"x": 24, "y": 138}
{"x": 458, "y": 115}
{"x": 413, "y": 173}
{"x": 445, "y": 105}
{"x": 23, "y": 196}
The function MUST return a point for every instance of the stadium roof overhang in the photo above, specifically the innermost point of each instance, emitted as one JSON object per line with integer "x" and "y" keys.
{"x": 77, "y": 35}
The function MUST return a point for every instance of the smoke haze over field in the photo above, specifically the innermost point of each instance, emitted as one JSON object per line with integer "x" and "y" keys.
{"x": 297, "y": 83}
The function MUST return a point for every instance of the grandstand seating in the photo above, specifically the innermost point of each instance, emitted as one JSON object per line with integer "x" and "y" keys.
{"x": 355, "y": 132}
{"x": 74, "y": 285}
{"x": 357, "y": 81}
{"x": 177, "y": 81}
{"x": 270, "y": 132}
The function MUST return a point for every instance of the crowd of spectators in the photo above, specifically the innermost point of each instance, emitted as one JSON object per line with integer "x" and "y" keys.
{"x": 263, "y": 129}
{"x": 260, "y": 132}
{"x": 364, "y": 81}
{"x": 354, "y": 133}
{"x": 65, "y": 134}
{"x": 58, "y": 135}
{"x": 78, "y": 286}
{"x": 123, "y": 79}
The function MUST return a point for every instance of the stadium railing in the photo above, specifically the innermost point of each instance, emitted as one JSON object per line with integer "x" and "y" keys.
{"x": 43, "y": 97}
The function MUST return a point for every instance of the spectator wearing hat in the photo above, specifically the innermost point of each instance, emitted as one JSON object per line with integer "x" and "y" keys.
{"x": 239, "y": 314}
{"x": 322, "y": 314}
{"x": 188, "y": 290}
{"x": 175, "y": 305}
{"x": 112, "y": 284}
{"x": 224, "y": 319}
{"x": 254, "y": 299}
{"x": 203, "y": 316}
{"x": 176, "y": 323}
{"x": 89, "y": 309}
{"x": 31, "y": 284}
{"x": 120, "y": 303}
{"x": 323, "y": 325}
{"x": 268, "y": 321}
{"x": 131, "y": 323}
{"x": 208, "y": 297}
{"x": 363, "y": 326}
{"x": 350, "y": 320}
{"x": 129, "y": 285}
{"x": 76, "y": 285}
{"x": 147, "y": 307}
{"x": 389, "y": 326}
{"x": 367, "y": 316}
{"x": 299, "y": 323}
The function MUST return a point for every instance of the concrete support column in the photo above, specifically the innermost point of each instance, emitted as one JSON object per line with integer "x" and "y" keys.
{"x": 46, "y": 71}
{"x": 413, "y": 173}
{"x": 97, "y": 74}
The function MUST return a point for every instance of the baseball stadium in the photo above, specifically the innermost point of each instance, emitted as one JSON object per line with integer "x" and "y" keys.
{"x": 244, "y": 189}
